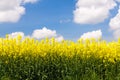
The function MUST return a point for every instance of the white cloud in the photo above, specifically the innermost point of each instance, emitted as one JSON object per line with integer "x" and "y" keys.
{"x": 115, "y": 22}
{"x": 115, "y": 25}
{"x": 43, "y": 33}
{"x": 46, "y": 33}
{"x": 59, "y": 38}
{"x": 92, "y": 12}
{"x": 39, "y": 34}
{"x": 15, "y": 34}
{"x": 94, "y": 34}
{"x": 12, "y": 10}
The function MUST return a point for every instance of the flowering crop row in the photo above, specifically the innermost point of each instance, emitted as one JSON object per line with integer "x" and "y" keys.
{"x": 48, "y": 59}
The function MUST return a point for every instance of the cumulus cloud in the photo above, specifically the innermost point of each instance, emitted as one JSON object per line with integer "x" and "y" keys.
{"x": 15, "y": 34}
{"x": 115, "y": 25}
{"x": 12, "y": 10}
{"x": 94, "y": 34}
{"x": 92, "y": 12}
{"x": 43, "y": 33}
{"x": 115, "y": 22}
{"x": 39, "y": 34}
{"x": 59, "y": 38}
{"x": 46, "y": 33}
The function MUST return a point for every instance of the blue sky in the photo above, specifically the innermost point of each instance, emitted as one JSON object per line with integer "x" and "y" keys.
{"x": 57, "y": 15}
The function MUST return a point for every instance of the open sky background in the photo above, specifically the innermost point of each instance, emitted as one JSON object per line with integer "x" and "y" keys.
{"x": 62, "y": 19}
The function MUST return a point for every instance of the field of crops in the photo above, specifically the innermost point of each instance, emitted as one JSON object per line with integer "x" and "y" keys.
{"x": 48, "y": 59}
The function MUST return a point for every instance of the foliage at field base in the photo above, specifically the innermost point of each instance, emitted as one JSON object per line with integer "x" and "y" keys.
{"x": 29, "y": 59}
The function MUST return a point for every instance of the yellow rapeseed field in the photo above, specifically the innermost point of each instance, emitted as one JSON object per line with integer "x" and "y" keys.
{"x": 30, "y": 59}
